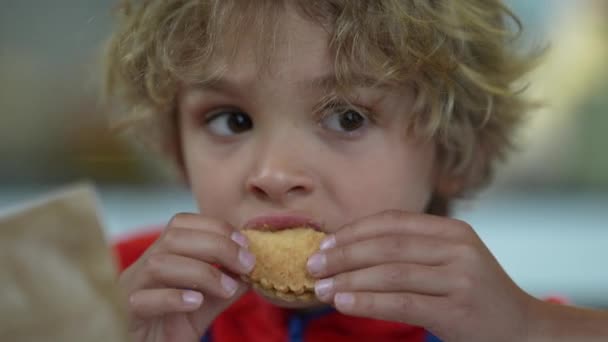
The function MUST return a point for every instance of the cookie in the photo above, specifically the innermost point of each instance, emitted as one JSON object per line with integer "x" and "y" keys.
{"x": 281, "y": 257}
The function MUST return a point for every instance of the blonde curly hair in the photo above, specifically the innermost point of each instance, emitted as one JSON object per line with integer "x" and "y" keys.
{"x": 459, "y": 55}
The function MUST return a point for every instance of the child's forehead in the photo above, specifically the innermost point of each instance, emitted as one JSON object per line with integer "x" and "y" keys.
{"x": 292, "y": 49}
{"x": 300, "y": 55}
{"x": 299, "y": 51}
{"x": 306, "y": 75}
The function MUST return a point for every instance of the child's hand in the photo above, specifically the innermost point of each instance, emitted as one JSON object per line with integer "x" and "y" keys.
{"x": 174, "y": 289}
{"x": 422, "y": 270}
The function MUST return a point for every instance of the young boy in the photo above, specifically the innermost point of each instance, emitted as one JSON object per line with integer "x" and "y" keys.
{"x": 361, "y": 118}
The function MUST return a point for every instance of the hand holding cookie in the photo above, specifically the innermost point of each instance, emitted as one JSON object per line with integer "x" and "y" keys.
{"x": 422, "y": 270}
{"x": 175, "y": 289}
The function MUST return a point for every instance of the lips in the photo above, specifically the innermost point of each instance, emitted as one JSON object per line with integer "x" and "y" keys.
{"x": 281, "y": 222}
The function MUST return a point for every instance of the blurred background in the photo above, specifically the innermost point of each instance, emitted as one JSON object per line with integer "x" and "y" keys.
{"x": 544, "y": 217}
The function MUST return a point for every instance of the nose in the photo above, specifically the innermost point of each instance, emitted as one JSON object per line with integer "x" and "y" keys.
{"x": 279, "y": 178}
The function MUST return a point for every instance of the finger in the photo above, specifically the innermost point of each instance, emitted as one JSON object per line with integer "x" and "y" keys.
{"x": 395, "y": 222}
{"x": 150, "y": 303}
{"x": 215, "y": 306}
{"x": 208, "y": 247}
{"x": 413, "y": 309}
{"x": 377, "y": 251}
{"x": 385, "y": 278}
{"x": 180, "y": 272}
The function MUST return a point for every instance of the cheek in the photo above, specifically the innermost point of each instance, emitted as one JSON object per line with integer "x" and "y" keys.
{"x": 384, "y": 182}
{"x": 208, "y": 176}
{"x": 203, "y": 180}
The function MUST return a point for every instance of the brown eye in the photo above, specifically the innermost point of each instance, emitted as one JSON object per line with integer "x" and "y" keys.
{"x": 229, "y": 123}
{"x": 345, "y": 122}
{"x": 351, "y": 120}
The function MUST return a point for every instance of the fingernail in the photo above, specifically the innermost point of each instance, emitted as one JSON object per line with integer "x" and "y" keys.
{"x": 192, "y": 298}
{"x": 344, "y": 301}
{"x": 316, "y": 263}
{"x": 240, "y": 239}
{"x": 229, "y": 285}
{"x": 247, "y": 260}
{"x": 323, "y": 288}
{"x": 328, "y": 242}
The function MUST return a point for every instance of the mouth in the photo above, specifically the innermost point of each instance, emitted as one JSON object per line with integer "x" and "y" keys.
{"x": 281, "y": 222}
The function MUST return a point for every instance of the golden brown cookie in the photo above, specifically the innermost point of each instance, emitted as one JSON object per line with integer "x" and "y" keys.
{"x": 281, "y": 257}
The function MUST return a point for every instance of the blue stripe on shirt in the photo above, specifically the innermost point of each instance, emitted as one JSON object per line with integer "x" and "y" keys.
{"x": 298, "y": 323}
{"x": 431, "y": 338}
{"x": 207, "y": 336}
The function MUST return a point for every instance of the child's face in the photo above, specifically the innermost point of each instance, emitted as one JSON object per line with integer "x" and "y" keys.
{"x": 254, "y": 146}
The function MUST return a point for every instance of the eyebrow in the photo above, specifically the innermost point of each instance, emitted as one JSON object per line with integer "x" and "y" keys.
{"x": 325, "y": 81}
{"x": 330, "y": 81}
